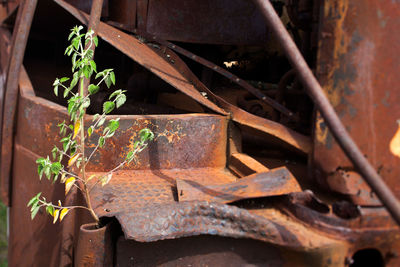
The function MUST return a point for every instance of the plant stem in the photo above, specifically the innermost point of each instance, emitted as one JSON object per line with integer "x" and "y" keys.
{"x": 83, "y": 166}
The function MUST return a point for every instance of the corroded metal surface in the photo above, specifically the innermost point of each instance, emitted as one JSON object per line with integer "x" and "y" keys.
{"x": 360, "y": 76}
{"x": 273, "y": 183}
{"x": 330, "y": 116}
{"x": 239, "y": 24}
{"x": 179, "y": 76}
{"x": 20, "y": 37}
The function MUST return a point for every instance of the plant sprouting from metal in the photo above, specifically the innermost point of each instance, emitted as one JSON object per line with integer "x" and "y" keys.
{"x": 74, "y": 135}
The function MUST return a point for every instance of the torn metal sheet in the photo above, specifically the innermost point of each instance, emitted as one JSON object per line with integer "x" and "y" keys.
{"x": 273, "y": 183}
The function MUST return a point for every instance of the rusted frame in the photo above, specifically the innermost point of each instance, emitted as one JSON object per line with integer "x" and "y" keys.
{"x": 20, "y": 37}
{"x": 322, "y": 103}
{"x": 254, "y": 91}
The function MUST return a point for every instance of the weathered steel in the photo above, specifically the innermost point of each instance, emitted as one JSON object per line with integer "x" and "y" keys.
{"x": 131, "y": 46}
{"x": 244, "y": 165}
{"x": 95, "y": 246}
{"x": 273, "y": 183}
{"x": 188, "y": 83}
{"x": 20, "y": 37}
{"x": 360, "y": 78}
{"x": 254, "y": 91}
{"x": 331, "y": 118}
{"x": 235, "y": 22}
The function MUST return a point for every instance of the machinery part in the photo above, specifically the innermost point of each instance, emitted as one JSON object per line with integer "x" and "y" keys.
{"x": 324, "y": 106}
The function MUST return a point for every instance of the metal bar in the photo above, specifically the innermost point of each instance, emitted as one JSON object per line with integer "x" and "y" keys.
{"x": 324, "y": 106}
{"x": 257, "y": 93}
{"x": 21, "y": 32}
{"x": 94, "y": 19}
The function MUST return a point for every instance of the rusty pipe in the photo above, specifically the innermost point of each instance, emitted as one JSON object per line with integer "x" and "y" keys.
{"x": 322, "y": 103}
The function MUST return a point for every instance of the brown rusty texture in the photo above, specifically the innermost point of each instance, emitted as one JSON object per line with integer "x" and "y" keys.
{"x": 240, "y": 24}
{"x": 322, "y": 104}
{"x": 20, "y": 37}
{"x": 358, "y": 69}
{"x": 179, "y": 75}
{"x": 273, "y": 183}
{"x": 154, "y": 199}
{"x": 95, "y": 245}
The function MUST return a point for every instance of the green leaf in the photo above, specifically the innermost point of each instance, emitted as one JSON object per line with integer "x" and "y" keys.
{"x": 108, "y": 106}
{"x": 86, "y": 103}
{"x": 75, "y": 42}
{"x": 68, "y": 49}
{"x": 34, "y": 212}
{"x": 56, "y": 90}
{"x": 75, "y": 80}
{"x": 93, "y": 89}
{"x": 113, "y": 125}
{"x": 112, "y": 77}
{"x": 55, "y": 167}
{"x": 101, "y": 141}
{"x": 50, "y": 210}
{"x": 146, "y": 135}
{"x": 101, "y": 121}
{"x": 116, "y": 93}
{"x": 87, "y": 71}
{"x": 129, "y": 156}
{"x": 40, "y": 171}
{"x": 108, "y": 81}
{"x": 120, "y": 100}
{"x": 47, "y": 171}
{"x": 100, "y": 74}
{"x": 95, "y": 116}
{"x": 89, "y": 54}
{"x": 34, "y": 199}
{"x": 96, "y": 41}
{"x": 64, "y": 79}
{"x": 90, "y": 131}
{"x": 71, "y": 34}
{"x": 56, "y": 82}
{"x": 93, "y": 64}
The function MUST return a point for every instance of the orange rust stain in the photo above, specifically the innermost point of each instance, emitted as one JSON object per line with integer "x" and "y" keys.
{"x": 337, "y": 10}
{"x": 321, "y": 132}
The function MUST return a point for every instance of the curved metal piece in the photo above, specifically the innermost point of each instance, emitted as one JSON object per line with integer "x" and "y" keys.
{"x": 20, "y": 37}
{"x": 175, "y": 220}
{"x": 322, "y": 103}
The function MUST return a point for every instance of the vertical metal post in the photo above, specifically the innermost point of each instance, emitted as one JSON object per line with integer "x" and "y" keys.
{"x": 20, "y": 38}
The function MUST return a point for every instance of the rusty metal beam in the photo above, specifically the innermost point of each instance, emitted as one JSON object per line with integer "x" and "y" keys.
{"x": 20, "y": 37}
{"x": 324, "y": 106}
{"x": 179, "y": 76}
{"x": 254, "y": 91}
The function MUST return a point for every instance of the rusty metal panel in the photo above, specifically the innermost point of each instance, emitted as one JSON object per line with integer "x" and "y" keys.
{"x": 273, "y": 183}
{"x": 358, "y": 68}
{"x": 209, "y": 21}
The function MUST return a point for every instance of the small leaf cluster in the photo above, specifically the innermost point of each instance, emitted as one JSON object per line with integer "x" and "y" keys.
{"x": 73, "y": 135}
{"x": 56, "y": 211}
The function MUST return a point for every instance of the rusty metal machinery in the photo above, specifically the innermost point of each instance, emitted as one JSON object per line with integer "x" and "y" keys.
{"x": 272, "y": 119}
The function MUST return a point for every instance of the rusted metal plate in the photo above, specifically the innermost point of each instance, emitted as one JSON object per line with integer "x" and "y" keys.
{"x": 209, "y": 21}
{"x": 273, "y": 183}
{"x": 141, "y": 188}
{"x": 243, "y": 165}
{"x": 23, "y": 230}
{"x": 359, "y": 72}
{"x": 198, "y": 251}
